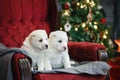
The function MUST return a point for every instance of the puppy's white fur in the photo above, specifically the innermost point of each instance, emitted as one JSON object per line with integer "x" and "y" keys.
{"x": 57, "y": 54}
{"x": 36, "y": 44}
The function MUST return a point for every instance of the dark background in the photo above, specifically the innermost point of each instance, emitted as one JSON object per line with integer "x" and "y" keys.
{"x": 112, "y": 10}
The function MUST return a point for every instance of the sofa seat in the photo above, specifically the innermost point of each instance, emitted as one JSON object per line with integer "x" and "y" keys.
{"x": 78, "y": 51}
{"x": 64, "y": 76}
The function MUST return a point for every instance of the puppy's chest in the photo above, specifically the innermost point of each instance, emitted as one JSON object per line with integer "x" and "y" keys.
{"x": 37, "y": 54}
{"x": 56, "y": 59}
{"x": 57, "y": 62}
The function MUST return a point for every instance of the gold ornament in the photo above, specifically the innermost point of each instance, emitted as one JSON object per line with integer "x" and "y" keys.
{"x": 61, "y": 28}
{"x": 89, "y": 16}
{"x": 83, "y": 24}
{"x": 78, "y": 4}
{"x": 92, "y": 3}
{"x": 66, "y": 13}
{"x": 87, "y": 1}
{"x": 76, "y": 29}
{"x": 95, "y": 27}
{"x": 106, "y": 31}
{"x": 104, "y": 36}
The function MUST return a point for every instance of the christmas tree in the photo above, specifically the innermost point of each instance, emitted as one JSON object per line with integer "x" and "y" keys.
{"x": 85, "y": 20}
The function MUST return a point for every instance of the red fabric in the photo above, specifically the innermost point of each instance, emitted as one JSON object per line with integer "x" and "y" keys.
{"x": 117, "y": 61}
{"x": 84, "y": 51}
{"x": 21, "y": 17}
{"x": 15, "y": 66}
{"x": 66, "y": 77}
{"x": 115, "y": 70}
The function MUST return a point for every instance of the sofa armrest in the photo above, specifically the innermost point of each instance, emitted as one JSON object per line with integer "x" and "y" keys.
{"x": 21, "y": 67}
{"x": 25, "y": 70}
{"x": 87, "y": 51}
{"x": 102, "y": 55}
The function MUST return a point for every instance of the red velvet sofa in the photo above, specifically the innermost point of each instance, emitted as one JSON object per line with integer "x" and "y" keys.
{"x": 115, "y": 70}
{"x": 20, "y": 17}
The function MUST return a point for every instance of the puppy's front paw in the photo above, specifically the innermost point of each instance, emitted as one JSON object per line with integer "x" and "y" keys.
{"x": 32, "y": 69}
{"x": 48, "y": 68}
{"x": 40, "y": 68}
{"x": 68, "y": 66}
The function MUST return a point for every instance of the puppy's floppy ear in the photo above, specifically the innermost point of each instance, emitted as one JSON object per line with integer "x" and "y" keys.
{"x": 27, "y": 40}
{"x": 32, "y": 36}
{"x": 52, "y": 34}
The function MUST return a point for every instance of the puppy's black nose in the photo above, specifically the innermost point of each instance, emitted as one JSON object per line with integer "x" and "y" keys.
{"x": 46, "y": 46}
{"x": 64, "y": 48}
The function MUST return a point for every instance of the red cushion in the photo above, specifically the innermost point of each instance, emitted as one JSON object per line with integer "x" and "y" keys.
{"x": 21, "y": 17}
{"x": 66, "y": 77}
{"x": 84, "y": 51}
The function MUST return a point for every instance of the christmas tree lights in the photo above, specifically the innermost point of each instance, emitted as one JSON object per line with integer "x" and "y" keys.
{"x": 85, "y": 20}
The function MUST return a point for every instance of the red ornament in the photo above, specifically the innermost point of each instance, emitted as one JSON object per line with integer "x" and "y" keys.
{"x": 67, "y": 5}
{"x": 103, "y": 20}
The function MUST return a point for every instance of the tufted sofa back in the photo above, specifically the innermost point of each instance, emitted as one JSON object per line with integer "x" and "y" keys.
{"x": 19, "y": 17}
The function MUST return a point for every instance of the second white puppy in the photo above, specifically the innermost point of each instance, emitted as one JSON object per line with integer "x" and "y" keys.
{"x": 57, "y": 55}
{"x": 36, "y": 44}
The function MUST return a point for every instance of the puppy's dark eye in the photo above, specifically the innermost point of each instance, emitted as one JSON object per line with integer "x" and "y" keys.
{"x": 60, "y": 41}
{"x": 40, "y": 40}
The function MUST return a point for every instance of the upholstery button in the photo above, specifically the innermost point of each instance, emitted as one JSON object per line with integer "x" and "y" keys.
{"x": 21, "y": 21}
{"x": 32, "y": 20}
{"x": 10, "y": 21}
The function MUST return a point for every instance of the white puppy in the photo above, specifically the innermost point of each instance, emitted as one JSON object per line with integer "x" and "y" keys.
{"x": 36, "y": 44}
{"x": 57, "y": 55}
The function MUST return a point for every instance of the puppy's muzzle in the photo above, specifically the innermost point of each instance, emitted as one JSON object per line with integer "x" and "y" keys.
{"x": 64, "y": 48}
{"x": 46, "y": 46}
